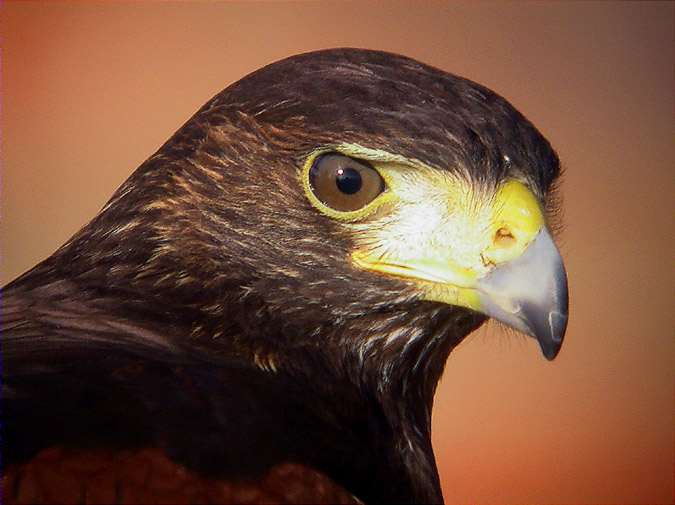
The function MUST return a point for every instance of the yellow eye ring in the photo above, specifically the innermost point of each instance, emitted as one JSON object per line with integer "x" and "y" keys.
{"x": 322, "y": 198}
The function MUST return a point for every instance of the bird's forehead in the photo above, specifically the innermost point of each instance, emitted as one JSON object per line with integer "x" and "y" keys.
{"x": 391, "y": 104}
{"x": 366, "y": 91}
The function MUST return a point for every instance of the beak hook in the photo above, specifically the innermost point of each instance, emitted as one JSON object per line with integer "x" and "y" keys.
{"x": 530, "y": 294}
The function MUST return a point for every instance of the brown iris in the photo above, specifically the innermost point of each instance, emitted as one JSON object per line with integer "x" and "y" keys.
{"x": 343, "y": 183}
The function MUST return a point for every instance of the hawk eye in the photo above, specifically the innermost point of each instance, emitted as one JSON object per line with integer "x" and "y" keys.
{"x": 343, "y": 183}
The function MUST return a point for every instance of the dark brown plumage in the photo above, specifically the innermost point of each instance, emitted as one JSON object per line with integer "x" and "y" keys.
{"x": 209, "y": 312}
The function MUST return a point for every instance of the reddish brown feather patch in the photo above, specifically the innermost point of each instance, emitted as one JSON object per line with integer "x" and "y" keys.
{"x": 59, "y": 475}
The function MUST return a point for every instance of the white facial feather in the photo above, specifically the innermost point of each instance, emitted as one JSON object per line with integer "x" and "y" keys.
{"x": 435, "y": 215}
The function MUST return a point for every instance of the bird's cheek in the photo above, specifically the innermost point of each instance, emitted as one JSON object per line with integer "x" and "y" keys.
{"x": 494, "y": 256}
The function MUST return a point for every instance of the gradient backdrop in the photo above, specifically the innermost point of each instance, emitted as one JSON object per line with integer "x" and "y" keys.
{"x": 90, "y": 90}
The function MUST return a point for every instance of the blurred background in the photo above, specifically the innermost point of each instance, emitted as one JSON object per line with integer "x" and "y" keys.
{"x": 89, "y": 90}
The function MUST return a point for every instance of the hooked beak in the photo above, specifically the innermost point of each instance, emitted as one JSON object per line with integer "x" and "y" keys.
{"x": 529, "y": 294}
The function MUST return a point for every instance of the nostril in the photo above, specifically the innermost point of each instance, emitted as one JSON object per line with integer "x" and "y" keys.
{"x": 504, "y": 237}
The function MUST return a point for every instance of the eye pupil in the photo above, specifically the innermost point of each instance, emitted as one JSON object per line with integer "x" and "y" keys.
{"x": 348, "y": 180}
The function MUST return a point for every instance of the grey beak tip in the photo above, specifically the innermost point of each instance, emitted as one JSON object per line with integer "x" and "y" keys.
{"x": 551, "y": 339}
{"x": 549, "y": 352}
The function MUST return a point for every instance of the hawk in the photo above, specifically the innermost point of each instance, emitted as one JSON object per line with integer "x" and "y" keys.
{"x": 262, "y": 311}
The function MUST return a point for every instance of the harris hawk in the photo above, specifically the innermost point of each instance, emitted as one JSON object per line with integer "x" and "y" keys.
{"x": 262, "y": 311}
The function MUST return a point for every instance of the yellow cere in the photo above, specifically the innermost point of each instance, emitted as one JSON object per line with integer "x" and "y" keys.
{"x": 517, "y": 218}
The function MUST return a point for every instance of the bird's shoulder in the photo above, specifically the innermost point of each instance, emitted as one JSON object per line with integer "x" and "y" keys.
{"x": 67, "y": 475}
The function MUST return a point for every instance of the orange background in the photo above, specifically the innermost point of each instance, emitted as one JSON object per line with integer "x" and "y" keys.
{"x": 90, "y": 90}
